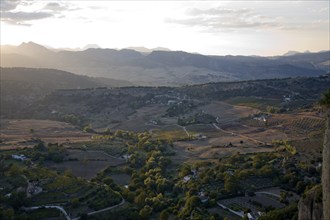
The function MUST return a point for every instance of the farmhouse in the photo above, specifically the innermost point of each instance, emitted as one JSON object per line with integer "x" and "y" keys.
{"x": 21, "y": 157}
{"x": 127, "y": 156}
{"x": 251, "y": 216}
{"x": 254, "y": 216}
{"x": 200, "y": 136}
{"x": 186, "y": 179}
{"x": 171, "y": 102}
{"x": 260, "y": 118}
{"x": 230, "y": 172}
{"x": 203, "y": 198}
{"x": 153, "y": 122}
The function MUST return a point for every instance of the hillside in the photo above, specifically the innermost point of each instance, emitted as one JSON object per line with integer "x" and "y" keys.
{"x": 22, "y": 86}
{"x": 169, "y": 68}
{"x": 210, "y": 142}
{"x": 102, "y": 106}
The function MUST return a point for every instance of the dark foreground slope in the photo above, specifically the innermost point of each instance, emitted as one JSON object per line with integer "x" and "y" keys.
{"x": 23, "y": 86}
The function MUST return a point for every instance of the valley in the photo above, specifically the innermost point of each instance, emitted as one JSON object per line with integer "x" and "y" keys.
{"x": 164, "y": 110}
{"x": 221, "y": 152}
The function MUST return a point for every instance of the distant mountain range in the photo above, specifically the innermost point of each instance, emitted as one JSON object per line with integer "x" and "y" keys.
{"x": 159, "y": 66}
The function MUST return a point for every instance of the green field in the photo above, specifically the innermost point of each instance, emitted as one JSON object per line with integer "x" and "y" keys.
{"x": 253, "y": 102}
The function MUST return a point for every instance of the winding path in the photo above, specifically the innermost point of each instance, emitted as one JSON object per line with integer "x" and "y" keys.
{"x": 104, "y": 210}
{"x": 185, "y": 130}
{"x": 61, "y": 209}
{"x": 240, "y": 214}
{"x": 236, "y": 134}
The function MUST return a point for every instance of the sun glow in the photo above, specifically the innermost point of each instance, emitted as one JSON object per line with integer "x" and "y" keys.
{"x": 266, "y": 28}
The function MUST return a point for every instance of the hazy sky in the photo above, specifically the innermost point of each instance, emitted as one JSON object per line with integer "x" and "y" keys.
{"x": 207, "y": 27}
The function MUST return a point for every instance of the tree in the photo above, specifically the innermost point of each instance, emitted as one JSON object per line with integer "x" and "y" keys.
{"x": 300, "y": 187}
{"x": 284, "y": 196}
{"x": 75, "y": 202}
{"x": 325, "y": 103}
{"x": 191, "y": 203}
{"x": 108, "y": 180}
{"x": 107, "y": 131}
{"x": 231, "y": 184}
{"x": 84, "y": 216}
{"x": 6, "y": 214}
{"x": 18, "y": 199}
{"x": 140, "y": 199}
{"x": 145, "y": 212}
{"x": 88, "y": 128}
{"x": 164, "y": 215}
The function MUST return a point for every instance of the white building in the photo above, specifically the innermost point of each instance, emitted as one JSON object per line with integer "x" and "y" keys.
{"x": 21, "y": 157}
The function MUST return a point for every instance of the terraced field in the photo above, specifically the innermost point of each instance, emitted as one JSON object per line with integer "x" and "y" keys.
{"x": 86, "y": 164}
{"x": 22, "y": 133}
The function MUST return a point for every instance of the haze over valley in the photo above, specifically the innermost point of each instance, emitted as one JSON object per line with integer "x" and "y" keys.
{"x": 164, "y": 68}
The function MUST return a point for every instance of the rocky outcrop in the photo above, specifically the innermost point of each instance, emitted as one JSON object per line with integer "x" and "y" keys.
{"x": 310, "y": 206}
{"x": 326, "y": 171}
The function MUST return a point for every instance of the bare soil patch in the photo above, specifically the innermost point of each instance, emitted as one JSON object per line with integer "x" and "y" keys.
{"x": 206, "y": 150}
{"x": 19, "y": 133}
{"x": 227, "y": 113}
{"x": 141, "y": 119}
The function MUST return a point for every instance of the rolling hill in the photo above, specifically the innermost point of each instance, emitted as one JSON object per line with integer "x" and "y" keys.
{"x": 157, "y": 68}
{"x": 22, "y": 86}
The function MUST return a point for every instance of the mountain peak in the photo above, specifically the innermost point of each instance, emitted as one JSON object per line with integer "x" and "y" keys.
{"x": 32, "y": 45}
{"x": 32, "y": 48}
{"x": 147, "y": 50}
{"x": 89, "y": 46}
{"x": 291, "y": 53}
{"x": 160, "y": 49}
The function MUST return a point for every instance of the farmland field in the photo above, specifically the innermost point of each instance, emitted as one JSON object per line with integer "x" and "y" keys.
{"x": 21, "y": 133}
{"x": 174, "y": 132}
{"x": 86, "y": 164}
{"x": 254, "y": 102}
{"x": 140, "y": 119}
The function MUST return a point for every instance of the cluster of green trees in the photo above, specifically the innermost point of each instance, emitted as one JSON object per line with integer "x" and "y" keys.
{"x": 53, "y": 152}
{"x": 180, "y": 108}
{"x": 198, "y": 118}
{"x": 158, "y": 189}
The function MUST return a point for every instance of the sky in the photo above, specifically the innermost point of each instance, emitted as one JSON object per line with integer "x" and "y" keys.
{"x": 263, "y": 28}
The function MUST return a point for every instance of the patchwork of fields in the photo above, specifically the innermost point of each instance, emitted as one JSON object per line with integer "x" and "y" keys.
{"x": 237, "y": 131}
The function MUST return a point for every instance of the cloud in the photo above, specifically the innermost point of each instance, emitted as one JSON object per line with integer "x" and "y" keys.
{"x": 28, "y": 11}
{"x": 7, "y": 5}
{"x": 57, "y": 7}
{"x": 24, "y": 16}
{"x": 224, "y": 19}
{"x": 54, "y": 6}
{"x": 216, "y": 11}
